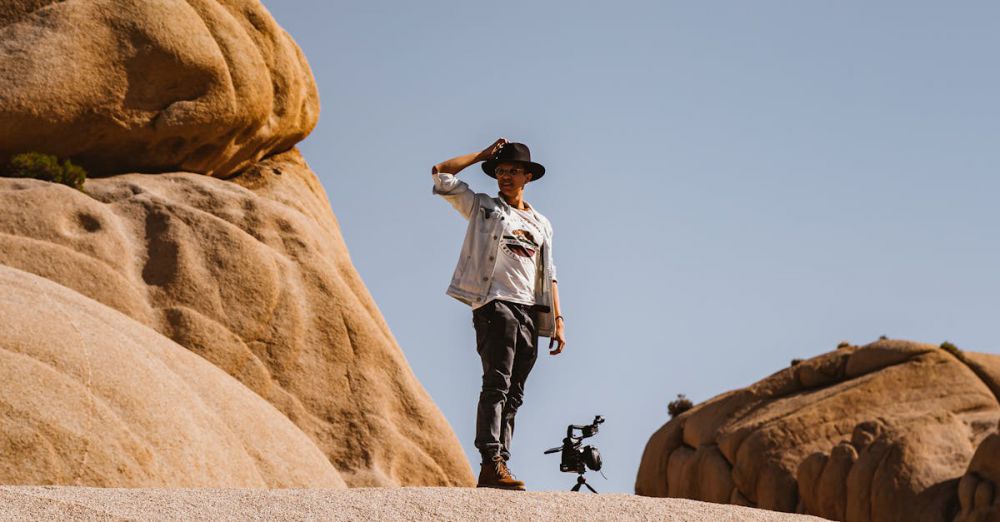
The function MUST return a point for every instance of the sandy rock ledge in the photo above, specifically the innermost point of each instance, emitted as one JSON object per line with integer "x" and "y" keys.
{"x": 70, "y": 503}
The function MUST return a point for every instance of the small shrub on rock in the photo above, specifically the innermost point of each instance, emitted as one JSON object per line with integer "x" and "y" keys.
{"x": 46, "y": 167}
{"x": 679, "y": 405}
{"x": 951, "y": 348}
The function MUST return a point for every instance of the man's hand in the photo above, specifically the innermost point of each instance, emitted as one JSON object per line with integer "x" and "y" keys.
{"x": 458, "y": 163}
{"x": 559, "y": 337}
{"x": 492, "y": 150}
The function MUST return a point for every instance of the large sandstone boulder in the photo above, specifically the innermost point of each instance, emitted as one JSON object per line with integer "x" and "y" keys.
{"x": 253, "y": 276}
{"x": 872, "y": 433}
{"x": 205, "y": 86}
{"x": 90, "y": 396}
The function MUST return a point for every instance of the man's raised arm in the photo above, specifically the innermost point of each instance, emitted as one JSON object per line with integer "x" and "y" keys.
{"x": 456, "y": 192}
{"x": 458, "y": 163}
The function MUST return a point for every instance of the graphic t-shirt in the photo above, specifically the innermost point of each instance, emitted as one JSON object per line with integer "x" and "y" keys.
{"x": 514, "y": 274}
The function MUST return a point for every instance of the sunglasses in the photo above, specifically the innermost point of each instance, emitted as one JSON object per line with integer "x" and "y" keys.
{"x": 509, "y": 171}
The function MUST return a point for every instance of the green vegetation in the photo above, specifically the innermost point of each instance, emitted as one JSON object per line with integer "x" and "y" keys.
{"x": 45, "y": 167}
{"x": 952, "y": 349}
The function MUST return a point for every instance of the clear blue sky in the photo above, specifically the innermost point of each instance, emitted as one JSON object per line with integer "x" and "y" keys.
{"x": 732, "y": 185}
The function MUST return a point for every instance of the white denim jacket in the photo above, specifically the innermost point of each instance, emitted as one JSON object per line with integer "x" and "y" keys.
{"x": 474, "y": 272}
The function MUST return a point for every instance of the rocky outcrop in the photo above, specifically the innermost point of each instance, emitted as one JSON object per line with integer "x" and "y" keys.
{"x": 879, "y": 432}
{"x": 253, "y": 276}
{"x": 979, "y": 488}
{"x": 204, "y": 86}
{"x": 249, "y": 275}
{"x": 90, "y": 396}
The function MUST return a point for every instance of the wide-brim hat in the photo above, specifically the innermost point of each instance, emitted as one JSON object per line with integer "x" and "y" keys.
{"x": 514, "y": 153}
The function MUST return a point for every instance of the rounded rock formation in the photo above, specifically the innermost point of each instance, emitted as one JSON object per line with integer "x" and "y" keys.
{"x": 253, "y": 276}
{"x": 91, "y": 397}
{"x": 250, "y": 274}
{"x": 979, "y": 488}
{"x": 204, "y": 86}
{"x": 874, "y": 433}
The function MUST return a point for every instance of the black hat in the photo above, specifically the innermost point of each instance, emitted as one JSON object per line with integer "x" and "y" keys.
{"x": 514, "y": 153}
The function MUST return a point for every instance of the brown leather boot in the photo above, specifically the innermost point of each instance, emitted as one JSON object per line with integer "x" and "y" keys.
{"x": 495, "y": 474}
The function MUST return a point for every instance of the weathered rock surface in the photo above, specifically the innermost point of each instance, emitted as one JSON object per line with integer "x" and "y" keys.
{"x": 872, "y": 433}
{"x": 205, "y": 86}
{"x": 90, "y": 396}
{"x": 979, "y": 488}
{"x": 253, "y": 276}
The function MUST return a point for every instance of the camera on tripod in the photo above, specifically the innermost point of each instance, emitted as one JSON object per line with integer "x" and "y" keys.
{"x": 576, "y": 459}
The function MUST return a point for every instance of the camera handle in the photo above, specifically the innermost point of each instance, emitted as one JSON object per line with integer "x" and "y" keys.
{"x": 568, "y": 442}
{"x": 586, "y": 430}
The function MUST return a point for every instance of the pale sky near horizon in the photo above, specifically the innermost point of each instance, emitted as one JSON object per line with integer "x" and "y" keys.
{"x": 731, "y": 185}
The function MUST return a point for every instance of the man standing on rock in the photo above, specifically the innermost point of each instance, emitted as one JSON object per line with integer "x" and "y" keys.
{"x": 506, "y": 274}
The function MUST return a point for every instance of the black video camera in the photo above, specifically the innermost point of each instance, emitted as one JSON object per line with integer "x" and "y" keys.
{"x": 574, "y": 458}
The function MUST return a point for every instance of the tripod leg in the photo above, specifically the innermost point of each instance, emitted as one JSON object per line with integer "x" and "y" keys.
{"x": 590, "y": 488}
{"x": 577, "y": 487}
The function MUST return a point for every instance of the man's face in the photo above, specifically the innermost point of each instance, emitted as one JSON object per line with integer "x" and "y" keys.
{"x": 511, "y": 177}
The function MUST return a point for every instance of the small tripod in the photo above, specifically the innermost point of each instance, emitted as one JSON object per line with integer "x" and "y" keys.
{"x": 581, "y": 481}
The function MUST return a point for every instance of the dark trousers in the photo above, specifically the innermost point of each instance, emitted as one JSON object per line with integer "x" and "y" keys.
{"x": 508, "y": 346}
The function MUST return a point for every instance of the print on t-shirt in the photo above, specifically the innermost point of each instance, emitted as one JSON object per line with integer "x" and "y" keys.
{"x": 521, "y": 243}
